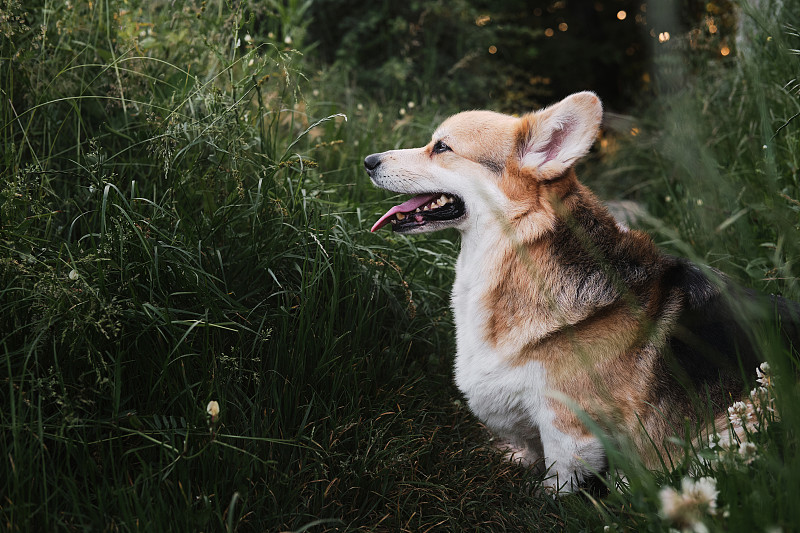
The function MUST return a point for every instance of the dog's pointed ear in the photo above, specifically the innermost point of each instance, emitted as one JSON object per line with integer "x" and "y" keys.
{"x": 551, "y": 140}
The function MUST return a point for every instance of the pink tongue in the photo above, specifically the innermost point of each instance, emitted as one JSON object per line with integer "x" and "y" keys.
{"x": 410, "y": 205}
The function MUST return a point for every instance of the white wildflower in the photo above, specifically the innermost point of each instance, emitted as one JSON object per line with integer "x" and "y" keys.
{"x": 411, "y": 105}
{"x": 73, "y": 274}
{"x": 722, "y": 443}
{"x": 687, "y": 508}
{"x": 287, "y": 39}
{"x": 703, "y": 492}
{"x": 758, "y": 409}
{"x": 764, "y": 375}
{"x": 747, "y": 416}
{"x": 671, "y": 502}
{"x": 248, "y": 38}
{"x": 737, "y": 414}
{"x": 213, "y": 410}
{"x": 748, "y": 452}
{"x": 762, "y": 400}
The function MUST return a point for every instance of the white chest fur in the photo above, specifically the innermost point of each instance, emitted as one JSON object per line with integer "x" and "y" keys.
{"x": 509, "y": 399}
{"x": 512, "y": 400}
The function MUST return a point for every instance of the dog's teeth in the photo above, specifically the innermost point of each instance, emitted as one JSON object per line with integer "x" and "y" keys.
{"x": 441, "y": 201}
{"x": 448, "y": 200}
{"x": 417, "y": 210}
{"x": 426, "y": 208}
{"x": 400, "y": 216}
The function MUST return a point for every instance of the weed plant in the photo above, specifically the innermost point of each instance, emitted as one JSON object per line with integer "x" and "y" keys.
{"x": 168, "y": 240}
{"x": 184, "y": 219}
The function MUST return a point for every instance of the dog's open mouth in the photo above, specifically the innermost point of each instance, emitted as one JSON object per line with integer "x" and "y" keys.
{"x": 421, "y": 210}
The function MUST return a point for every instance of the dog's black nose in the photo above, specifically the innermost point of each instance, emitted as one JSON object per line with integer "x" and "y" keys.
{"x": 371, "y": 162}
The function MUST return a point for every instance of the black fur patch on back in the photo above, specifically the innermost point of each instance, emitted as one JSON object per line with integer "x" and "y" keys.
{"x": 712, "y": 352}
{"x": 605, "y": 264}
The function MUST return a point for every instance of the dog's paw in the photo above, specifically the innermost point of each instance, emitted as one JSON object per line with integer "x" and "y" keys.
{"x": 555, "y": 485}
{"x": 521, "y": 455}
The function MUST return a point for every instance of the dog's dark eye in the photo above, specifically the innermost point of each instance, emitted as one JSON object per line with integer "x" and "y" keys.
{"x": 440, "y": 147}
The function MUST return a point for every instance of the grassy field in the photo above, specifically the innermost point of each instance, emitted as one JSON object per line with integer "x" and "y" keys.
{"x": 184, "y": 218}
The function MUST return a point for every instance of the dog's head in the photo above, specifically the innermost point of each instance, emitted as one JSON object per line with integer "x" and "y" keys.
{"x": 481, "y": 163}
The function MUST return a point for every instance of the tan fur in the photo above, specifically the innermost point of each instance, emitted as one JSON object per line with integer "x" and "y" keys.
{"x": 484, "y": 135}
{"x": 593, "y": 353}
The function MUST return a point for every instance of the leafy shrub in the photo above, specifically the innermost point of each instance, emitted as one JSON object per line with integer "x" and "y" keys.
{"x": 512, "y": 56}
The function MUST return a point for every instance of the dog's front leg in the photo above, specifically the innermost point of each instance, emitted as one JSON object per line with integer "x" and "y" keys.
{"x": 570, "y": 460}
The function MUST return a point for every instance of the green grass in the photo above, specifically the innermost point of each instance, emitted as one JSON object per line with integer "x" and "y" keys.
{"x": 184, "y": 219}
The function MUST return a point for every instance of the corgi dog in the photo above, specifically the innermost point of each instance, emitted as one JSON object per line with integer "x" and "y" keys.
{"x": 560, "y": 311}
